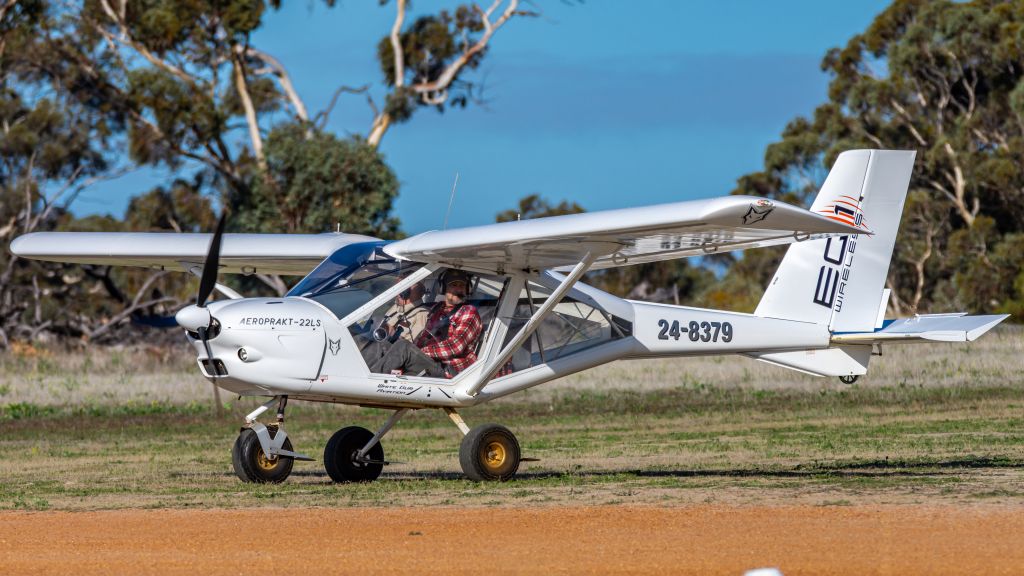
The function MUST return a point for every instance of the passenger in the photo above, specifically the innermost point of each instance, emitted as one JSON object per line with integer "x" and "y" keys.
{"x": 405, "y": 319}
{"x": 447, "y": 345}
{"x": 408, "y": 316}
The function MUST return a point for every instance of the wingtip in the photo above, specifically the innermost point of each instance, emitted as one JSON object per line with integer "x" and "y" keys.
{"x": 19, "y": 246}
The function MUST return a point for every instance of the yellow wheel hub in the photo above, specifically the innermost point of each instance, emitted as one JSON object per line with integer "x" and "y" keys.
{"x": 265, "y": 463}
{"x": 495, "y": 455}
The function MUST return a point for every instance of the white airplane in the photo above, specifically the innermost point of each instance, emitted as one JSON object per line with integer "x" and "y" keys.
{"x": 821, "y": 314}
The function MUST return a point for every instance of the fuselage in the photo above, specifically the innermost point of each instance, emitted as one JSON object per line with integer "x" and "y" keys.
{"x": 307, "y": 344}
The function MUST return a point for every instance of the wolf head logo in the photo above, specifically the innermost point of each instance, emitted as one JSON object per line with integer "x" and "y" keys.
{"x": 335, "y": 346}
{"x": 758, "y": 212}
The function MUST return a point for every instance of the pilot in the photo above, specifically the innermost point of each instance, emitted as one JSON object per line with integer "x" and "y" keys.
{"x": 447, "y": 345}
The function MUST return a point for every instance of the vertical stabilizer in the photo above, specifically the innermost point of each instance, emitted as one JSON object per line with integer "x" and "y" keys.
{"x": 838, "y": 281}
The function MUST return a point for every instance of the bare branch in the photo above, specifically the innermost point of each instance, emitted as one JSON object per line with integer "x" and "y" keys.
{"x": 436, "y": 92}
{"x": 959, "y": 187}
{"x": 3, "y": 12}
{"x": 250, "y": 110}
{"x": 895, "y": 303}
{"x": 909, "y": 122}
{"x": 445, "y": 79}
{"x": 286, "y": 83}
{"x": 6, "y": 6}
{"x": 126, "y": 313}
{"x": 125, "y": 38}
{"x": 919, "y": 269}
{"x": 321, "y": 117}
{"x": 396, "y": 44}
{"x": 274, "y": 282}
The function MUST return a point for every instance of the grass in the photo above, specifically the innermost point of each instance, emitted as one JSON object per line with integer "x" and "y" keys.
{"x": 932, "y": 423}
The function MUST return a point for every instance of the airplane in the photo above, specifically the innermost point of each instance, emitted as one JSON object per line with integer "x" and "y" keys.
{"x": 821, "y": 314}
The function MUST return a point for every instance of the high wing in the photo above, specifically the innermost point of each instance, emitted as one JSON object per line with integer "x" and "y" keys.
{"x": 289, "y": 254}
{"x": 621, "y": 237}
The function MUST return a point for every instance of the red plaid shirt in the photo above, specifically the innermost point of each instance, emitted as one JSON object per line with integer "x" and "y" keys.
{"x": 456, "y": 351}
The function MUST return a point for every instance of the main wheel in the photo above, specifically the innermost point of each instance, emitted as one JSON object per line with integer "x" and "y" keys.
{"x": 340, "y": 456}
{"x": 489, "y": 452}
{"x": 848, "y": 379}
{"x": 252, "y": 465}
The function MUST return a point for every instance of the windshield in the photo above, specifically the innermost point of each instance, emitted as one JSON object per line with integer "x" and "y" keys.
{"x": 353, "y": 276}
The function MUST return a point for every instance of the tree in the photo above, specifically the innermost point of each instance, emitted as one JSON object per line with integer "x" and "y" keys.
{"x": 52, "y": 148}
{"x": 317, "y": 182}
{"x": 425, "y": 64}
{"x": 91, "y": 88}
{"x": 946, "y": 79}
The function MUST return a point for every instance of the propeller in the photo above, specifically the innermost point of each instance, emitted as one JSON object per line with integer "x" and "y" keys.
{"x": 209, "y": 278}
{"x": 196, "y": 318}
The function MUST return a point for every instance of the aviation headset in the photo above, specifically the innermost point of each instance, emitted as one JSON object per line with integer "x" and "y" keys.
{"x": 453, "y": 275}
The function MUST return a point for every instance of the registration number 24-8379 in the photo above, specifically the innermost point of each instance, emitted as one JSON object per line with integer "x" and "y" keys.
{"x": 696, "y": 331}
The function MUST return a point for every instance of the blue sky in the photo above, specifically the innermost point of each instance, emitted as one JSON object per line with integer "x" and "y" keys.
{"x": 608, "y": 104}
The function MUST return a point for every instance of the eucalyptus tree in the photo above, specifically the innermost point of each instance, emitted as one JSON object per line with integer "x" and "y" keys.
{"x": 95, "y": 87}
{"x": 943, "y": 78}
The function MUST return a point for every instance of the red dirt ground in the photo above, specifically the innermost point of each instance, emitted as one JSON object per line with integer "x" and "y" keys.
{"x": 555, "y": 540}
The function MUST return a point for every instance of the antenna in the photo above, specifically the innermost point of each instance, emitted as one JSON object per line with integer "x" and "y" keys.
{"x": 451, "y": 199}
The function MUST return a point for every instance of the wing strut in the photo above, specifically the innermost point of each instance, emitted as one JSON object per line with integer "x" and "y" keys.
{"x": 196, "y": 269}
{"x": 531, "y": 325}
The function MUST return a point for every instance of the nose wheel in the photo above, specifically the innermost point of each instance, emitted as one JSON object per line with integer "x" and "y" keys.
{"x": 490, "y": 452}
{"x": 253, "y": 465}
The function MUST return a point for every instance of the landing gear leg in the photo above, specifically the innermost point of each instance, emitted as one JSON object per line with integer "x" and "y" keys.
{"x": 354, "y": 454}
{"x": 264, "y": 454}
{"x": 488, "y": 452}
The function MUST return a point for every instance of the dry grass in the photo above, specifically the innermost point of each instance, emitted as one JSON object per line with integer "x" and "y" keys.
{"x": 936, "y": 423}
{"x": 168, "y": 375}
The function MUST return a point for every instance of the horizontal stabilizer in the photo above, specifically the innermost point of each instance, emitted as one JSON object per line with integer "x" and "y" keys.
{"x": 842, "y": 361}
{"x": 957, "y": 327}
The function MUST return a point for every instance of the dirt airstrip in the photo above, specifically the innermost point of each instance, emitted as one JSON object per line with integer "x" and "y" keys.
{"x": 545, "y": 540}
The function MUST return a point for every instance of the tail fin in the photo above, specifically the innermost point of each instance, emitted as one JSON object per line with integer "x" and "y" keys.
{"x": 838, "y": 281}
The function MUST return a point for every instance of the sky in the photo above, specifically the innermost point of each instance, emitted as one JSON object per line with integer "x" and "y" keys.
{"x": 610, "y": 104}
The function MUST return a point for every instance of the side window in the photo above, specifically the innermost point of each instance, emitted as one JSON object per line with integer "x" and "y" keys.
{"x": 571, "y": 327}
{"x": 349, "y": 291}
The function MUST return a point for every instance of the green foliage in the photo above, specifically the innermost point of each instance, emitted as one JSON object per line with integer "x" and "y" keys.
{"x": 181, "y": 208}
{"x": 429, "y": 47}
{"x": 88, "y": 89}
{"x": 317, "y": 181}
{"x": 534, "y": 206}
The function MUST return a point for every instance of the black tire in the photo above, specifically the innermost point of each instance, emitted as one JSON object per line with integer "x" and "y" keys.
{"x": 251, "y": 465}
{"x": 848, "y": 379}
{"x": 490, "y": 452}
{"x": 339, "y": 456}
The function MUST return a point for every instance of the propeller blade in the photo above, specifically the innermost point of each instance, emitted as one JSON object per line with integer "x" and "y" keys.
{"x": 212, "y": 264}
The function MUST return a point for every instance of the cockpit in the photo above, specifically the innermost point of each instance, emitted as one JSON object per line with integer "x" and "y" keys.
{"x": 357, "y": 275}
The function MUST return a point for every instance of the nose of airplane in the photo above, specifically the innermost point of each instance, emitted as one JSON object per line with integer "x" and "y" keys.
{"x": 193, "y": 317}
